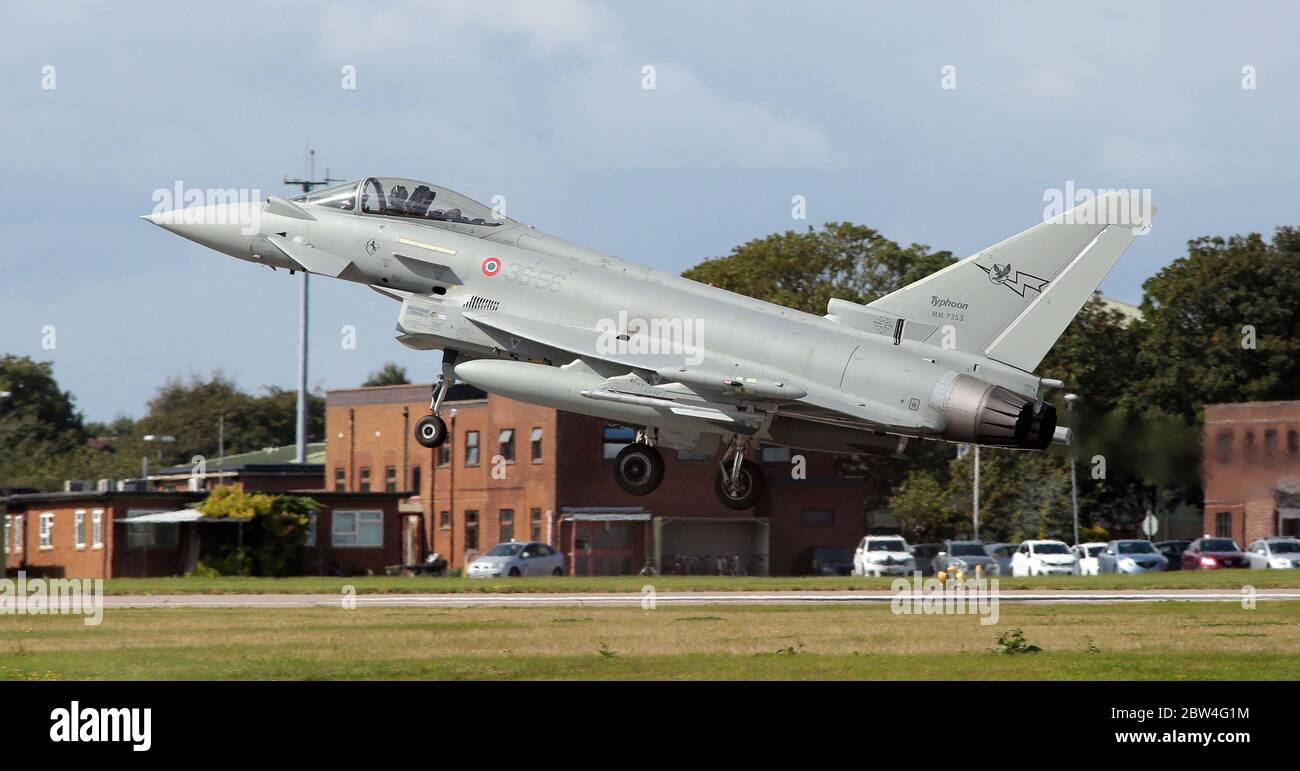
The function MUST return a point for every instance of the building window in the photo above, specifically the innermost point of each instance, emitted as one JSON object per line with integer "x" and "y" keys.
{"x": 816, "y": 518}
{"x": 79, "y": 528}
{"x": 390, "y": 479}
{"x": 614, "y": 439}
{"x": 444, "y": 520}
{"x": 47, "y": 530}
{"x": 365, "y": 479}
{"x": 1223, "y": 524}
{"x": 693, "y": 457}
{"x": 1270, "y": 441}
{"x": 18, "y": 532}
{"x": 444, "y": 453}
{"x": 416, "y": 480}
{"x": 507, "y": 525}
{"x": 776, "y": 454}
{"x": 1223, "y": 446}
{"x": 357, "y": 528}
{"x": 535, "y": 521}
{"x": 310, "y": 539}
{"x": 471, "y": 529}
{"x": 340, "y": 481}
{"x": 506, "y": 439}
{"x": 6, "y": 538}
{"x": 537, "y": 445}
{"x": 152, "y": 536}
{"x": 1292, "y": 442}
{"x": 471, "y": 448}
{"x": 1248, "y": 446}
{"x": 97, "y": 529}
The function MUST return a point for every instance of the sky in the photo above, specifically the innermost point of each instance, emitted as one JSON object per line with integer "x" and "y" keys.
{"x": 940, "y": 123}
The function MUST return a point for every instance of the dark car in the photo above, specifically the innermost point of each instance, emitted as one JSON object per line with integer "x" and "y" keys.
{"x": 826, "y": 561}
{"x": 1173, "y": 552}
{"x": 1214, "y": 554}
{"x": 924, "y": 553}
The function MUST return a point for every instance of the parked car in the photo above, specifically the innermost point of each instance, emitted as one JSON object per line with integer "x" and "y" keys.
{"x": 966, "y": 556}
{"x": 1085, "y": 556}
{"x": 1001, "y": 554}
{"x": 1042, "y": 558}
{"x": 883, "y": 555}
{"x": 1172, "y": 551}
{"x": 924, "y": 554}
{"x": 1130, "y": 555}
{"x": 1206, "y": 553}
{"x": 1274, "y": 553}
{"x": 825, "y": 561}
{"x": 518, "y": 559}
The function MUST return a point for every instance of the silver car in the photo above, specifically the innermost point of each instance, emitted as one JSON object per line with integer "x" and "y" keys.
{"x": 1130, "y": 556}
{"x": 528, "y": 558}
{"x": 1274, "y": 553}
{"x": 965, "y": 556}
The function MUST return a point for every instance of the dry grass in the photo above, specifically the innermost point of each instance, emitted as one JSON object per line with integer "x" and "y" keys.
{"x": 1167, "y": 640}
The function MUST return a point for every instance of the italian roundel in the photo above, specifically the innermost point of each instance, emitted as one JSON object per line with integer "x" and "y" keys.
{"x": 491, "y": 266}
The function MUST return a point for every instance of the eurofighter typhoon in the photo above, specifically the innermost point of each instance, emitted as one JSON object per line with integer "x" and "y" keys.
{"x": 689, "y": 366}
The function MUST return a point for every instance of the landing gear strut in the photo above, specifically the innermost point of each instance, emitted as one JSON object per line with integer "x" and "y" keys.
{"x": 431, "y": 430}
{"x": 739, "y": 483}
{"x": 639, "y": 468}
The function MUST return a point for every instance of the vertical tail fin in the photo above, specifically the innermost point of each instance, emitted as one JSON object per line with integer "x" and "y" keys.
{"x": 1010, "y": 302}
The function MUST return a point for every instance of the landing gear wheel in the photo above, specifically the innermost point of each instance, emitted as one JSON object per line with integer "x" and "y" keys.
{"x": 430, "y": 431}
{"x": 745, "y": 490}
{"x": 638, "y": 469}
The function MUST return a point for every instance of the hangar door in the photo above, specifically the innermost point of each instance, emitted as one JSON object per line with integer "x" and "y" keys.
{"x": 698, "y": 546}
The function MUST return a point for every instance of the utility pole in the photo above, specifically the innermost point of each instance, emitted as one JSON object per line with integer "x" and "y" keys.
{"x": 307, "y": 185}
{"x": 975, "y": 494}
{"x": 1070, "y": 399}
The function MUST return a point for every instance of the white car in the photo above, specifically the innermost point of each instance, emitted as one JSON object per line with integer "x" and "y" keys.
{"x": 883, "y": 555}
{"x": 1274, "y": 553}
{"x": 1043, "y": 558}
{"x": 518, "y": 559}
{"x": 1085, "y": 555}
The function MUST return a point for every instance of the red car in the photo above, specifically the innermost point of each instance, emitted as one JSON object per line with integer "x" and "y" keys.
{"x": 1214, "y": 553}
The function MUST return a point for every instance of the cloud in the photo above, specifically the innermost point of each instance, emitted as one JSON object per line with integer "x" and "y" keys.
{"x": 603, "y": 116}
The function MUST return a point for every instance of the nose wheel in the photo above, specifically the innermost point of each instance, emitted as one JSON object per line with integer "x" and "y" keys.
{"x": 430, "y": 431}
{"x": 739, "y": 484}
{"x": 639, "y": 469}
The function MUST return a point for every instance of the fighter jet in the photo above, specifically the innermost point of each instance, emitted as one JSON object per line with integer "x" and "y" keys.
{"x": 690, "y": 366}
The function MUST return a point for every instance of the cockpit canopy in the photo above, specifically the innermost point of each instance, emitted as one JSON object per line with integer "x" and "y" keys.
{"x": 407, "y": 198}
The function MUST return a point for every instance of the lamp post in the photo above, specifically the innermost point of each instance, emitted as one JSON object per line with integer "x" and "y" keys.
{"x": 1070, "y": 400}
{"x": 159, "y": 440}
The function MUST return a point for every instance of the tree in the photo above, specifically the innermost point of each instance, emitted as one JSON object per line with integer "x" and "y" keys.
{"x": 190, "y": 410}
{"x": 805, "y": 270}
{"x": 389, "y": 374}
{"x": 34, "y": 399}
{"x": 1220, "y": 326}
{"x": 918, "y": 504}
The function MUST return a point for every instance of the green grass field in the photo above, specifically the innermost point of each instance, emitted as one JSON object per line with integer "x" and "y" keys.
{"x": 1209, "y": 579}
{"x": 1174, "y": 640}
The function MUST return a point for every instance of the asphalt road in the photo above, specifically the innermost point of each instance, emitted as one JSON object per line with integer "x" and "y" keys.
{"x": 633, "y": 599}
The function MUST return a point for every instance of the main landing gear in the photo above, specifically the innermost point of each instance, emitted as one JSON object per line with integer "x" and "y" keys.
{"x": 639, "y": 468}
{"x": 431, "y": 430}
{"x": 739, "y": 483}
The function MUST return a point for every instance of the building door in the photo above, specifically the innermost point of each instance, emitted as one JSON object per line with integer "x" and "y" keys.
{"x": 411, "y": 541}
{"x": 605, "y": 548}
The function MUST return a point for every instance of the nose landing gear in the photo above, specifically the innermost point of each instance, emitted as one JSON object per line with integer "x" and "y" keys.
{"x": 431, "y": 430}
{"x": 739, "y": 484}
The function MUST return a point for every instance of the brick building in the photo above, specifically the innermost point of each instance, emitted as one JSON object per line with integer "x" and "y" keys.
{"x": 1251, "y": 470}
{"x": 87, "y": 535}
{"x": 516, "y": 470}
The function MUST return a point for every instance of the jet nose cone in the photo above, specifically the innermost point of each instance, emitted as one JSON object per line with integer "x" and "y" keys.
{"x": 228, "y": 228}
